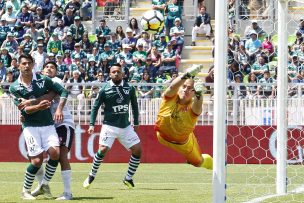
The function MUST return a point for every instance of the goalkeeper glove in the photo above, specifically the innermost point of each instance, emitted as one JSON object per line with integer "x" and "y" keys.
{"x": 198, "y": 87}
{"x": 192, "y": 71}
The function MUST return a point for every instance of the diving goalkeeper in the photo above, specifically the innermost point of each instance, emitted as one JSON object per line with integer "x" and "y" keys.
{"x": 181, "y": 105}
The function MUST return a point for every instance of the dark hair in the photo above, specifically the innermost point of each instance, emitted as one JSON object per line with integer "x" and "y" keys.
{"x": 116, "y": 64}
{"x": 26, "y": 56}
{"x": 50, "y": 62}
{"x": 135, "y": 25}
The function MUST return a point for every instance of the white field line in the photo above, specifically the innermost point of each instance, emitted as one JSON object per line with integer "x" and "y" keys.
{"x": 297, "y": 190}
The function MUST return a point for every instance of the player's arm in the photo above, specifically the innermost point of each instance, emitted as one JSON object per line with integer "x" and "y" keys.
{"x": 29, "y": 102}
{"x": 134, "y": 105}
{"x": 197, "y": 105}
{"x": 98, "y": 101}
{"x": 44, "y": 104}
{"x": 177, "y": 82}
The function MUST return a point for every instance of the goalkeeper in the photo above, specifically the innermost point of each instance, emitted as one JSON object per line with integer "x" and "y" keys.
{"x": 181, "y": 105}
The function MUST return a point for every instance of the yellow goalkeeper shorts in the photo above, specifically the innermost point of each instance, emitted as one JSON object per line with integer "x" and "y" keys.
{"x": 190, "y": 150}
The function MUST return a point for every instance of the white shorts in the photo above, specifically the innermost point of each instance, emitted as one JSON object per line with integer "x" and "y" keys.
{"x": 39, "y": 139}
{"x": 126, "y": 136}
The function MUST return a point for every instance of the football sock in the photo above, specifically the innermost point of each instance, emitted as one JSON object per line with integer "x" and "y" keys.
{"x": 50, "y": 169}
{"x": 133, "y": 165}
{"x": 66, "y": 179}
{"x": 39, "y": 175}
{"x": 29, "y": 177}
{"x": 98, "y": 159}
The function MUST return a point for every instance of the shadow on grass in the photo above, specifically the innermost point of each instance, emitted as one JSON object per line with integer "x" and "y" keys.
{"x": 92, "y": 198}
{"x": 160, "y": 189}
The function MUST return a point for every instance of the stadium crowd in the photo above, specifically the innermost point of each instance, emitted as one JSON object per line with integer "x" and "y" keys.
{"x": 55, "y": 32}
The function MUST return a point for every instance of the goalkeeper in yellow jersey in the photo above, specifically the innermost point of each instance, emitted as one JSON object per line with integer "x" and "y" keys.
{"x": 181, "y": 105}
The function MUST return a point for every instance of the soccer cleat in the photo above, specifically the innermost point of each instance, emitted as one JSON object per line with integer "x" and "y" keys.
{"x": 87, "y": 182}
{"x": 128, "y": 183}
{"x": 37, "y": 191}
{"x": 46, "y": 191}
{"x": 27, "y": 196}
{"x": 208, "y": 161}
{"x": 65, "y": 196}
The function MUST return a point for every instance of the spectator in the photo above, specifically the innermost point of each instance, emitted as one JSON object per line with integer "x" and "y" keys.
{"x": 243, "y": 60}
{"x": 33, "y": 32}
{"x": 10, "y": 16}
{"x": 5, "y": 57}
{"x": 85, "y": 44}
{"x": 159, "y": 5}
{"x": 155, "y": 58}
{"x": 298, "y": 41}
{"x": 76, "y": 91}
{"x": 39, "y": 57}
{"x": 2, "y": 72}
{"x": 145, "y": 41}
{"x": 202, "y": 25}
{"x": 4, "y": 29}
{"x": 301, "y": 27}
{"x": 74, "y": 6}
{"x": 134, "y": 27}
{"x": 55, "y": 45}
{"x": 53, "y": 18}
{"x": 94, "y": 54}
{"x": 256, "y": 28}
{"x": 140, "y": 54}
{"x": 173, "y": 11}
{"x": 233, "y": 70}
{"x": 68, "y": 18}
{"x": 168, "y": 59}
{"x": 161, "y": 43}
{"x": 79, "y": 52}
{"x": 108, "y": 54}
{"x": 67, "y": 58}
{"x": 210, "y": 79}
{"x": 105, "y": 67}
{"x": 9, "y": 79}
{"x": 129, "y": 39}
{"x": 99, "y": 44}
{"x": 62, "y": 69}
{"x": 126, "y": 55}
{"x": 14, "y": 69}
{"x": 115, "y": 43}
{"x": 120, "y": 33}
{"x": 60, "y": 30}
{"x": 25, "y": 18}
{"x": 253, "y": 47}
{"x": 231, "y": 13}
{"x": 300, "y": 53}
{"x": 177, "y": 32}
{"x": 91, "y": 70}
{"x": 252, "y": 87}
{"x": 266, "y": 91}
{"x": 268, "y": 48}
{"x": 260, "y": 67}
{"x": 102, "y": 29}
{"x": 296, "y": 90}
{"x": 78, "y": 65}
{"x": 145, "y": 91}
{"x": 39, "y": 19}
{"x": 28, "y": 44}
{"x": 77, "y": 29}
{"x": 294, "y": 67}
{"x": 46, "y": 6}
{"x": 238, "y": 91}
{"x": 151, "y": 69}
{"x": 68, "y": 43}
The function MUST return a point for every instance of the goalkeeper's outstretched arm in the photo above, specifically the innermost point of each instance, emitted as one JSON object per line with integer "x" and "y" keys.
{"x": 197, "y": 105}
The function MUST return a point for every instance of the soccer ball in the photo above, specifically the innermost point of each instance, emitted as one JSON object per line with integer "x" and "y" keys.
{"x": 152, "y": 21}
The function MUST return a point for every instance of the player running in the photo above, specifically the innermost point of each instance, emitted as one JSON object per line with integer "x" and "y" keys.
{"x": 181, "y": 105}
{"x": 116, "y": 95}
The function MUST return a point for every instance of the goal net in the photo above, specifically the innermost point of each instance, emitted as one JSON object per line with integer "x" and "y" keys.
{"x": 253, "y": 106}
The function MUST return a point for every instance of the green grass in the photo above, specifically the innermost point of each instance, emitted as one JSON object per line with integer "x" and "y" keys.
{"x": 158, "y": 183}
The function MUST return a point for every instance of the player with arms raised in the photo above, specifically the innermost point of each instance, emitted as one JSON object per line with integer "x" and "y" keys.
{"x": 116, "y": 95}
{"x": 181, "y": 105}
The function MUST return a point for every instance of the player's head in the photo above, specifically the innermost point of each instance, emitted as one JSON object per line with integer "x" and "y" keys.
{"x": 26, "y": 64}
{"x": 186, "y": 91}
{"x": 116, "y": 73}
{"x": 50, "y": 69}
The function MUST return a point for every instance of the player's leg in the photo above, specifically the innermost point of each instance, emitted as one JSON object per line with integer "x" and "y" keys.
{"x": 66, "y": 137}
{"x": 106, "y": 140}
{"x": 129, "y": 139}
{"x": 35, "y": 153}
{"x": 50, "y": 144}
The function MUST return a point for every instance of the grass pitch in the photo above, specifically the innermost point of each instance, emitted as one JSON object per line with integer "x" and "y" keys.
{"x": 157, "y": 183}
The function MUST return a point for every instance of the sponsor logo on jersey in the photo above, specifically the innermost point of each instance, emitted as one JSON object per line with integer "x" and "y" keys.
{"x": 40, "y": 84}
{"x": 120, "y": 108}
{"x": 126, "y": 91}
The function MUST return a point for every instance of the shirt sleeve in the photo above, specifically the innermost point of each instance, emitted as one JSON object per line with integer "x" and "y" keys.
{"x": 134, "y": 105}
{"x": 56, "y": 87}
{"x": 98, "y": 101}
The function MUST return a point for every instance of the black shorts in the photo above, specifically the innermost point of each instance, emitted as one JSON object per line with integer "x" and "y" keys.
{"x": 66, "y": 135}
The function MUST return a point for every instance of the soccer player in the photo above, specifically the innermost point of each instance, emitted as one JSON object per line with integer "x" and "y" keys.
{"x": 65, "y": 131}
{"x": 181, "y": 105}
{"x": 116, "y": 95}
{"x": 38, "y": 126}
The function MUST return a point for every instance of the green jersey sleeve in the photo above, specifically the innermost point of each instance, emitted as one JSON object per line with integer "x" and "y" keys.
{"x": 134, "y": 105}
{"x": 56, "y": 87}
{"x": 98, "y": 101}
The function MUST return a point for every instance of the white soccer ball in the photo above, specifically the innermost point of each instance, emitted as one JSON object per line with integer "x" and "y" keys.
{"x": 152, "y": 21}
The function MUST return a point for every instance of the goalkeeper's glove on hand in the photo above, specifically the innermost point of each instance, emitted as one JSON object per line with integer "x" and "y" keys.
{"x": 192, "y": 71}
{"x": 198, "y": 87}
